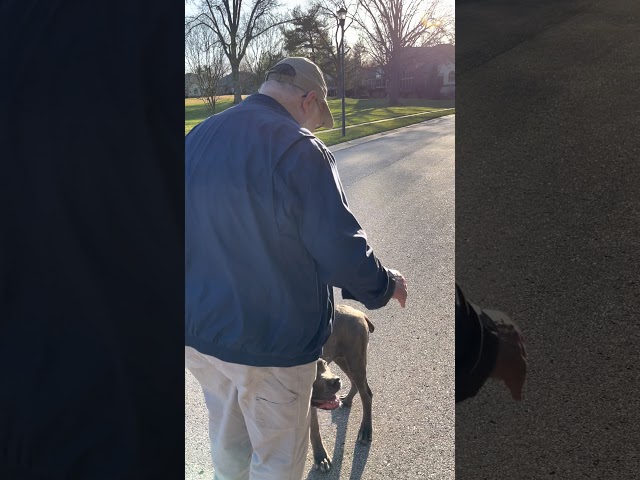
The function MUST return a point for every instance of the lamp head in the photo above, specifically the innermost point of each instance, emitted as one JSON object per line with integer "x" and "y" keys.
{"x": 342, "y": 15}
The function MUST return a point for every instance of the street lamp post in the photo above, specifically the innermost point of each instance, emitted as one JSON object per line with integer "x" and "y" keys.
{"x": 342, "y": 15}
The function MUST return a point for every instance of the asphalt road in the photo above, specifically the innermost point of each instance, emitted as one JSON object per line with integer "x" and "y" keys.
{"x": 547, "y": 229}
{"x": 401, "y": 187}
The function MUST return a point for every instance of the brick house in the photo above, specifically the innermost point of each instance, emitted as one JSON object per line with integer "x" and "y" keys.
{"x": 429, "y": 72}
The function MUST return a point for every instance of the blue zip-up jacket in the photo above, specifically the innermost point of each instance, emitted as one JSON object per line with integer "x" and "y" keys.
{"x": 268, "y": 232}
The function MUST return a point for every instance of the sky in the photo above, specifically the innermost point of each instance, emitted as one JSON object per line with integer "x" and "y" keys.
{"x": 290, "y": 4}
{"x": 350, "y": 35}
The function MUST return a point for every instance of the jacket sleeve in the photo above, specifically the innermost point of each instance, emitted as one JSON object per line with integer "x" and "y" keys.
{"x": 330, "y": 231}
{"x": 476, "y": 348}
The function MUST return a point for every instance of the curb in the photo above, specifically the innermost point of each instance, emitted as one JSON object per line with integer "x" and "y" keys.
{"x": 375, "y": 136}
{"x": 387, "y": 120}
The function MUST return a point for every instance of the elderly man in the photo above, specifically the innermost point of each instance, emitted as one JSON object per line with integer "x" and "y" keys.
{"x": 268, "y": 235}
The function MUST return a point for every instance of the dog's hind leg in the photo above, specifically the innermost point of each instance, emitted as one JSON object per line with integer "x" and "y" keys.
{"x": 365, "y": 434}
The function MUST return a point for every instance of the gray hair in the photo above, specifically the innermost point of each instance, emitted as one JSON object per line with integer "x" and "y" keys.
{"x": 281, "y": 87}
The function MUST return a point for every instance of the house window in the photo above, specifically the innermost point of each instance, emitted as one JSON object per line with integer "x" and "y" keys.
{"x": 452, "y": 76}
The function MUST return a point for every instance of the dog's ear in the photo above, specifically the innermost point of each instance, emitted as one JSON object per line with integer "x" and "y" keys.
{"x": 369, "y": 324}
{"x": 321, "y": 366}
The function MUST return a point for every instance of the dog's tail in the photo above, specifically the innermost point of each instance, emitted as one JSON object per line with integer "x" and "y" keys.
{"x": 371, "y": 327}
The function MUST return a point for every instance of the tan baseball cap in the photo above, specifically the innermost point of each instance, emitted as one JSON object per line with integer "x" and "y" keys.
{"x": 306, "y": 75}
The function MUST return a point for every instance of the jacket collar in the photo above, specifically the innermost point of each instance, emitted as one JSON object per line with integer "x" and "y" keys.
{"x": 267, "y": 101}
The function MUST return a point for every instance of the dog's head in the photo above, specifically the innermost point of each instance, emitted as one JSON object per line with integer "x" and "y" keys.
{"x": 325, "y": 388}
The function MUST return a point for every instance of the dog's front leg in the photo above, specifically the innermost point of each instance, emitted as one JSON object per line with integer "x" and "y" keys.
{"x": 321, "y": 459}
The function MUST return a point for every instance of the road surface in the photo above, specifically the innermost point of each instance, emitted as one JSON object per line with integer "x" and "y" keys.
{"x": 401, "y": 188}
{"x": 547, "y": 229}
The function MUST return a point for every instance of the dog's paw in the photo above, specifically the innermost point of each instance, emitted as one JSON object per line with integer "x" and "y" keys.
{"x": 346, "y": 401}
{"x": 365, "y": 435}
{"x": 322, "y": 463}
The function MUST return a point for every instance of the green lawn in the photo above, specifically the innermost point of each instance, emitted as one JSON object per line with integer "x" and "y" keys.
{"x": 196, "y": 111}
{"x": 335, "y": 136}
{"x": 356, "y": 112}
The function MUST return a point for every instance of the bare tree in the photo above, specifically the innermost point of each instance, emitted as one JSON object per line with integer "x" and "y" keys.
{"x": 440, "y": 30}
{"x": 236, "y": 23}
{"x": 389, "y": 27}
{"x": 262, "y": 54}
{"x": 205, "y": 59}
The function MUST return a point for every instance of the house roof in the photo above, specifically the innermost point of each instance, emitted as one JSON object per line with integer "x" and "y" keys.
{"x": 243, "y": 77}
{"x": 426, "y": 58}
{"x": 189, "y": 79}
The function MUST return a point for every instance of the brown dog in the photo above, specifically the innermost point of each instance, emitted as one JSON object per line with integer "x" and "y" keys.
{"x": 323, "y": 395}
{"x": 347, "y": 347}
{"x": 325, "y": 387}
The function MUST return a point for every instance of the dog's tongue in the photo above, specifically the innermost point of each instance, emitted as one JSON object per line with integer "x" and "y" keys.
{"x": 331, "y": 404}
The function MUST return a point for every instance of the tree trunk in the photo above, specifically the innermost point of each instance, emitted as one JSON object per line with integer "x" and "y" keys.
{"x": 235, "y": 82}
{"x": 394, "y": 83}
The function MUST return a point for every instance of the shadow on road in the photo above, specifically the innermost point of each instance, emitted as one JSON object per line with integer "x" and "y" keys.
{"x": 340, "y": 417}
{"x": 360, "y": 456}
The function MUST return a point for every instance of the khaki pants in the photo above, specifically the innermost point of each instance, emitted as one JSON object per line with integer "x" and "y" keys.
{"x": 258, "y": 417}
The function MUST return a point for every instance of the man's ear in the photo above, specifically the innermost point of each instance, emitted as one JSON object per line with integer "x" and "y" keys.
{"x": 309, "y": 99}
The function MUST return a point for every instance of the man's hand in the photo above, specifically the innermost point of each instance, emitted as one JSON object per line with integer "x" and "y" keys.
{"x": 400, "y": 290}
{"x": 511, "y": 363}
